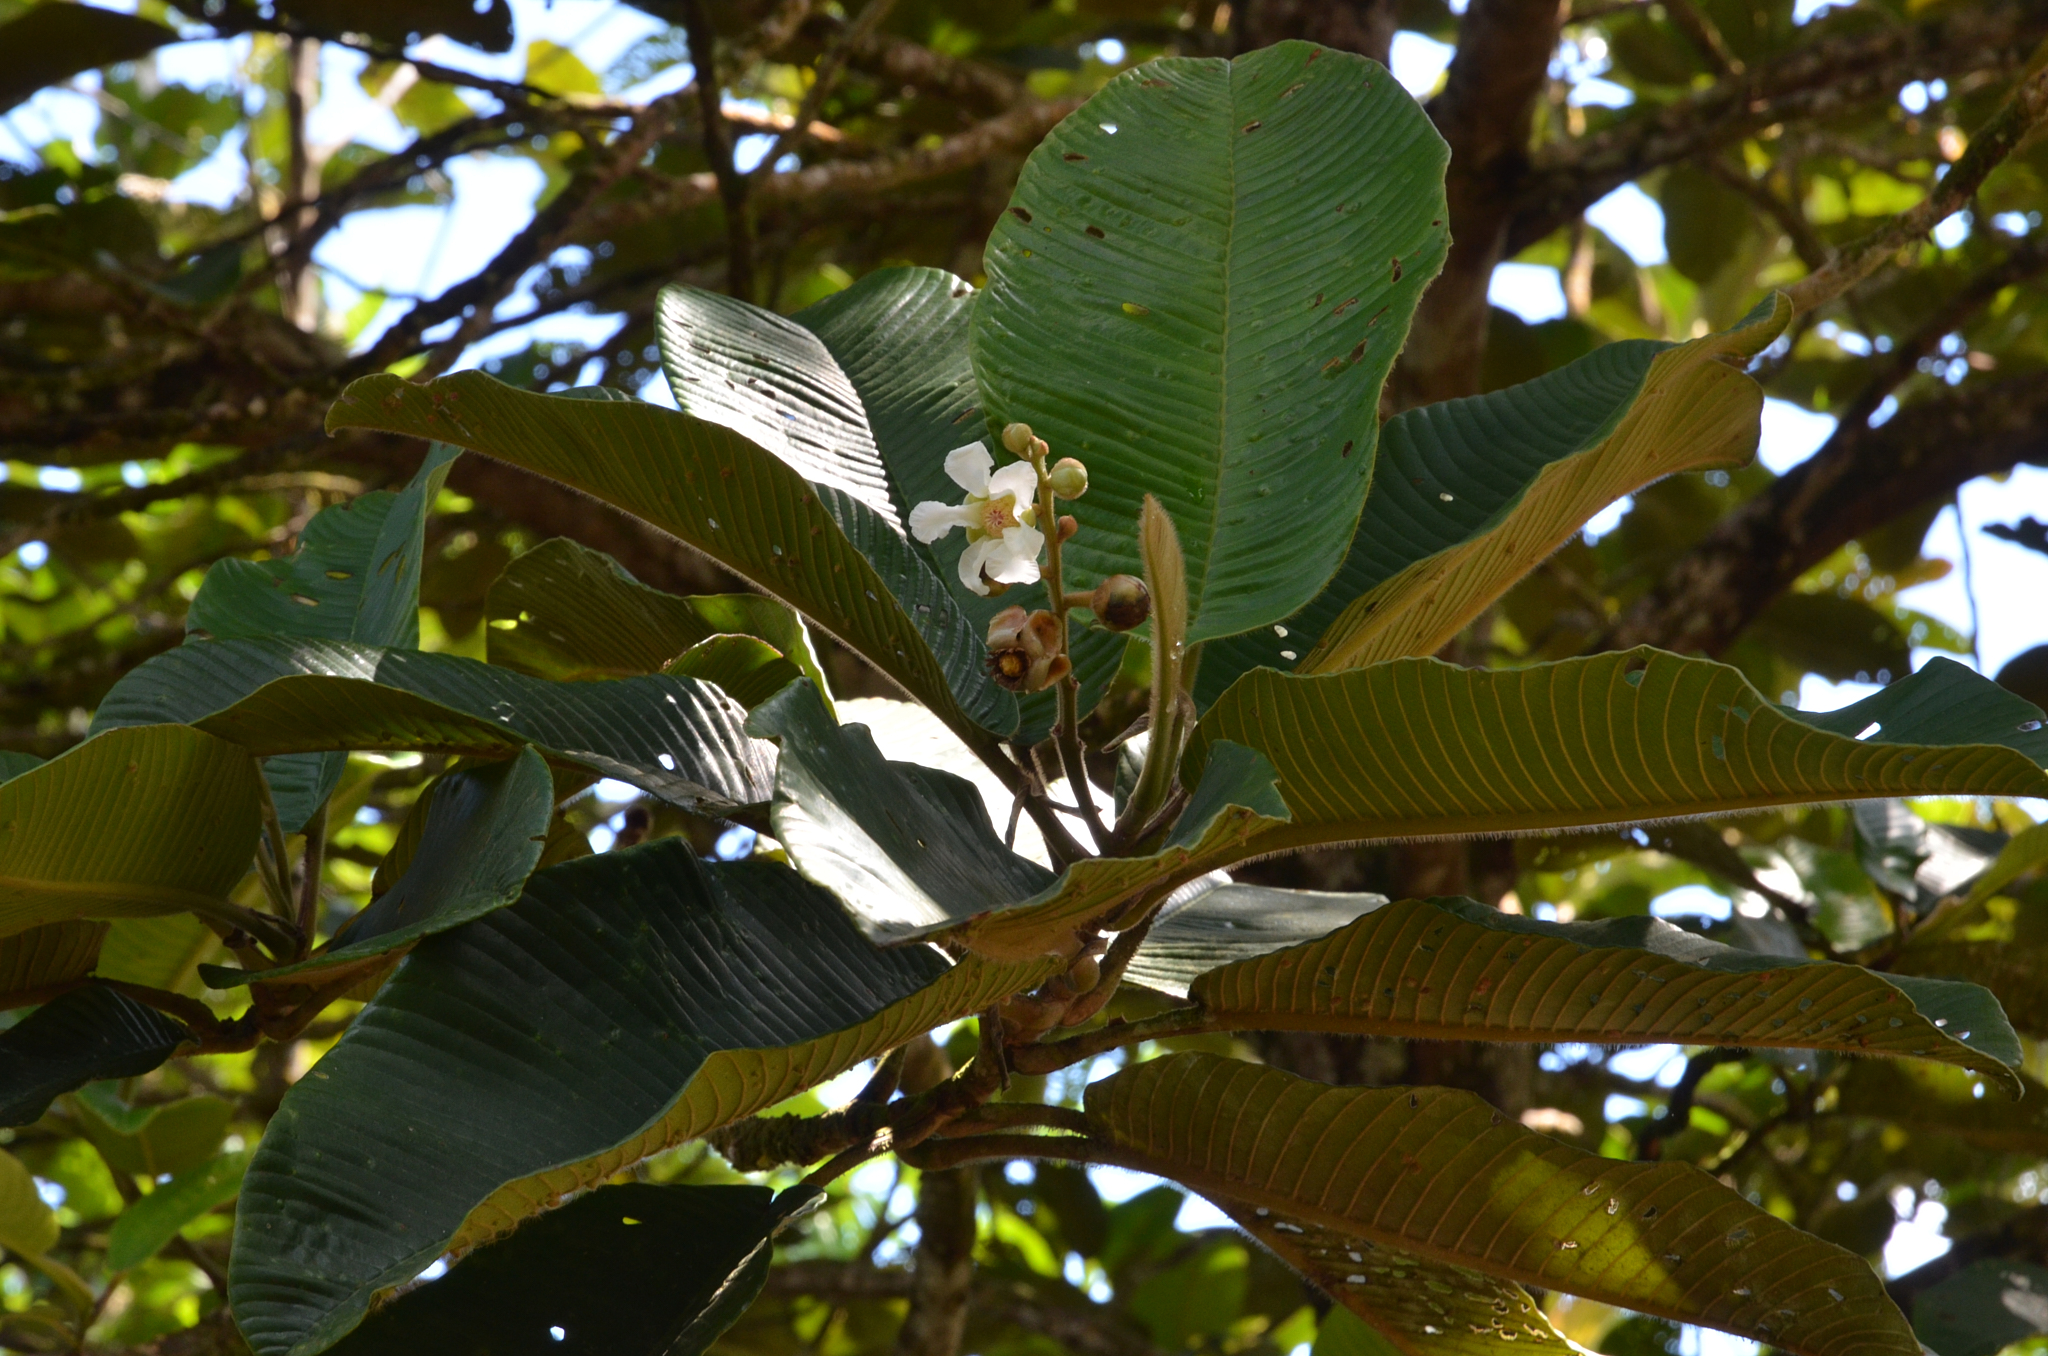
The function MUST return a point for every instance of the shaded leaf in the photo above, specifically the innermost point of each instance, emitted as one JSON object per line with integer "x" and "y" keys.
{"x": 628, "y": 1002}
{"x": 13, "y": 764}
{"x": 51, "y": 954}
{"x": 1984, "y": 1308}
{"x": 632, "y": 1270}
{"x": 49, "y": 44}
{"x": 1196, "y": 293}
{"x": 483, "y": 24}
{"x": 749, "y": 671}
{"x": 159, "y": 953}
{"x": 148, "y": 1224}
{"x": 1419, "y": 747}
{"x": 149, "y": 1140}
{"x": 716, "y": 491}
{"x": 1929, "y": 1098}
{"x": 676, "y": 738}
{"x": 1454, "y": 969}
{"x": 482, "y": 834}
{"x": 908, "y": 849}
{"x": 90, "y": 1033}
{"x": 1443, "y": 1175}
{"x": 564, "y": 611}
{"x": 159, "y": 819}
{"x": 27, "y": 1225}
{"x": 1233, "y": 922}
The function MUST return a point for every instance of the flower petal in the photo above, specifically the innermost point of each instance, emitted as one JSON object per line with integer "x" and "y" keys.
{"x": 1018, "y": 480}
{"x": 969, "y": 467}
{"x": 971, "y": 561}
{"x": 1015, "y": 560}
{"x": 932, "y": 520}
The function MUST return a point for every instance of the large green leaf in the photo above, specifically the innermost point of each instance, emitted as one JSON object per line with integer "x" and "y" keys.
{"x": 909, "y": 849}
{"x": 718, "y": 492}
{"x": 674, "y": 737}
{"x": 1229, "y": 923}
{"x": 1453, "y": 969}
{"x": 354, "y": 577}
{"x": 1984, "y": 1308}
{"x": 1442, "y": 1175}
{"x": 49, "y": 44}
{"x": 1470, "y": 495}
{"x": 631, "y": 1270}
{"x": 50, "y": 954}
{"x": 1995, "y": 934}
{"x": 1203, "y": 278}
{"x": 1421, "y": 1305}
{"x": 158, "y": 819}
{"x": 90, "y": 1033}
{"x": 566, "y": 612}
{"x": 482, "y": 832}
{"x": 627, "y": 1002}
{"x": 1415, "y": 747}
{"x": 155, "y": 1138}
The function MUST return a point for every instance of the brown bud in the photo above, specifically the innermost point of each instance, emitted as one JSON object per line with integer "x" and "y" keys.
{"x": 1039, "y": 450}
{"x": 1121, "y": 602}
{"x": 1017, "y": 438}
{"x": 1085, "y": 974}
{"x": 1068, "y": 527}
{"x": 1026, "y": 650}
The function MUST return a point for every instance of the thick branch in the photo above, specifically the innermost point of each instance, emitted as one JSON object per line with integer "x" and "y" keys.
{"x": 1861, "y": 478}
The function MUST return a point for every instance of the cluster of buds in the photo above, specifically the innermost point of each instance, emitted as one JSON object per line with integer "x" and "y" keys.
{"x": 1027, "y": 650}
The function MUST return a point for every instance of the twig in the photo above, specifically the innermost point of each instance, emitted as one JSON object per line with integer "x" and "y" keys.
{"x": 1052, "y": 1055}
{"x": 309, "y": 886}
{"x": 1997, "y": 139}
{"x": 732, "y": 185}
{"x": 1678, "y": 1110}
{"x": 824, "y": 75}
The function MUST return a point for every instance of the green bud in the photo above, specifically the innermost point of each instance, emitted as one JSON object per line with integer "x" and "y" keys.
{"x": 1069, "y": 478}
{"x": 1017, "y": 438}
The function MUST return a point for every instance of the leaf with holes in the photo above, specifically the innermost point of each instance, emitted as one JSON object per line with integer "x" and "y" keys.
{"x": 676, "y": 738}
{"x": 481, "y": 835}
{"x": 1444, "y": 1176}
{"x": 566, "y": 612}
{"x": 1416, "y": 747}
{"x": 627, "y": 1002}
{"x": 720, "y": 493}
{"x": 1202, "y": 280}
{"x": 1454, "y": 969}
{"x": 159, "y": 819}
{"x": 1470, "y": 495}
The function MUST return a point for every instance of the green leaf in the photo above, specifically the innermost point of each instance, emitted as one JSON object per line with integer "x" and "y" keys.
{"x": 90, "y": 1033}
{"x": 159, "y": 953}
{"x": 628, "y": 1002}
{"x": 1984, "y": 1308}
{"x": 27, "y": 1225}
{"x": 51, "y": 43}
{"x": 13, "y": 764}
{"x": 1233, "y": 804}
{"x": 749, "y": 671}
{"x": 1927, "y": 1098}
{"x": 1422, "y": 1305}
{"x": 355, "y": 577}
{"x": 717, "y": 492}
{"x": 1203, "y": 278}
{"x": 150, "y": 1140}
{"x": 52, "y": 954}
{"x": 1228, "y": 923}
{"x": 1416, "y": 747}
{"x": 130, "y": 823}
{"x": 1442, "y": 1175}
{"x": 632, "y": 1270}
{"x": 1454, "y": 969}
{"x": 1470, "y": 495}
{"x": 1991, "y": 937}
{"x": 566, "y": 612}
{"x": 147, "y": 1225}
{"x": 676, "y": 738}
{"x": 908, "y": 849}
{"x": 482, "y": 833}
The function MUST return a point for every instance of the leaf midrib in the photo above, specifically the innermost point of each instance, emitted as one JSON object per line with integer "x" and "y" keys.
{"x": 1223, "y": 387}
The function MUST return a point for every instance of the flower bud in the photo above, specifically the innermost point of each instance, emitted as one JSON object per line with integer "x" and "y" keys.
{"x": 1026, "y": 650}
{"x": 1017, "y": 438}
{"x": 1121, "y": 602}
{"x": 1039, "y": 449}
{"x": 1068, "y": 527}
{"x": 1069, "y": 478}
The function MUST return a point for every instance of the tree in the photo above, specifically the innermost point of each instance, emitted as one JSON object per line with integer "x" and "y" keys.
{"x": 1184, "y": 293}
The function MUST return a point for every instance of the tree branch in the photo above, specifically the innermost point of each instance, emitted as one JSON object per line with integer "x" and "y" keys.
{"x": 943, "y": 1269}
{"x": 717, "y": 143}
{"x": 1998, "y": 138}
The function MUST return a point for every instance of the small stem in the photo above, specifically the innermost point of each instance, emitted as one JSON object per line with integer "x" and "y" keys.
{"x": 1074, "y": 761}
{"x": 276, "y": 884}
{"x": 952, "y": 1153}
{"x": 1016, "y": 1116}
{"x": 1044, "y": 1059}
{"x": 309, "y": 887}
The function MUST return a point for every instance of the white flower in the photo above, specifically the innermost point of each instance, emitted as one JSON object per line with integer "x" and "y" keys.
{"x": 999, "y": 515}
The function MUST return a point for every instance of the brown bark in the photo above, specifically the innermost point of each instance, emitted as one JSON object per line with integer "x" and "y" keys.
{"x": 1362, "y": 26}
{"x": 1486, "y": 113}
{"x": 943, "y": 1270}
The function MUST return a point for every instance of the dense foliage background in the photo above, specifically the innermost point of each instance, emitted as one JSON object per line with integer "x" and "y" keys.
{"x": 188, "y": 208}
